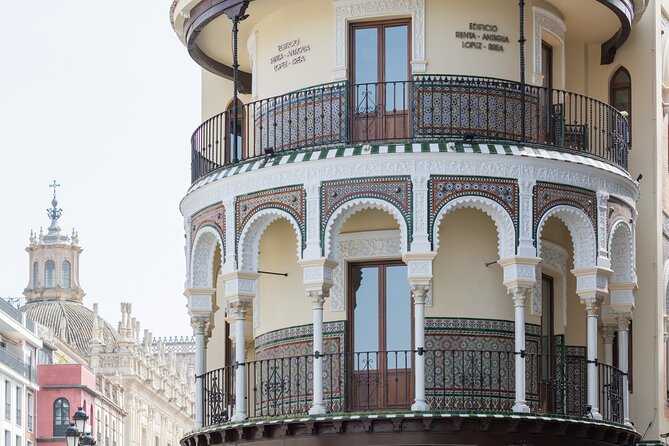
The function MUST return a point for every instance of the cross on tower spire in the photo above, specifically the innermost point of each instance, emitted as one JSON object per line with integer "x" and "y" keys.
{"x": 54, "y": 185}
{"x": 54, "y": 212}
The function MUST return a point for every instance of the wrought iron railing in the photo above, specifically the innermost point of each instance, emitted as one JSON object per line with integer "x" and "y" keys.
{"x": 425, "y": 108}
{"x": 455, "y": 380}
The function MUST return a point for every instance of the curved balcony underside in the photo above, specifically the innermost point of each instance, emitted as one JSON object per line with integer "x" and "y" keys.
{"x": 624, "y": 10}
{"x": 427, "y": 109}
{"x": 424, "y": 429}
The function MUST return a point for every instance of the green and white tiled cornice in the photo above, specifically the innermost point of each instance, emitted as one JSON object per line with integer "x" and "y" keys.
{"x": 293, "y": 157}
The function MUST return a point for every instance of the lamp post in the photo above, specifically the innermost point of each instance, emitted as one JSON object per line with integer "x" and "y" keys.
{"x": 75, "y": 434}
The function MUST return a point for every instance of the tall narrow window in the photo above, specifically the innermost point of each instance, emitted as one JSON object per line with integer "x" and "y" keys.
{"x": 35, "y": 275}
{"x": 66, "y": 275}
{"x": 50, "y": 274}
{"x": 31, "y": 412}
{"x": 547, "y": 65}
{"x": 61, "y": 417}
{"x": 235, "y": 131}
{"x": 621, "y": 93}
{"x": 19, "y": 406}
{"x": 8, "y": 400}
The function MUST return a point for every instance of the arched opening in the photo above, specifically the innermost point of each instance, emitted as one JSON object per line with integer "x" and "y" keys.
{"x": 61, "y": 417}
{"x": 620, "y": 93}
{"x": 50, "y": 274}
{"x": 66, "y": 274}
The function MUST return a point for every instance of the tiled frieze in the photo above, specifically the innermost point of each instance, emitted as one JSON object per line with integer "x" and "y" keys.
{"x": 549, "y": 195}
{"x": 443, "y": 189}
{"x": 290, "y": 199}
{"x": 213, "y": 216}
{"x": 616, "y": 210}
{"x": 395, "y": 190}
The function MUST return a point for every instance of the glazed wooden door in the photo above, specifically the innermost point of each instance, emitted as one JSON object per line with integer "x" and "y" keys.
{"x": 380, "y": 361}
{"x": 380, "y": 87}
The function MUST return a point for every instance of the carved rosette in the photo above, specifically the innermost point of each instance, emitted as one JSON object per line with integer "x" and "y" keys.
{"x": 395, "y": 190}
{"x": 443, "y": 189}
{"x": 290, "y": 199}
{"x": 549, "y": 195}
{"x": 214, "y": 217}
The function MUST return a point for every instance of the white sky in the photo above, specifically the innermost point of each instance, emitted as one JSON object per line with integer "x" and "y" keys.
{"x": 101, "y": 96}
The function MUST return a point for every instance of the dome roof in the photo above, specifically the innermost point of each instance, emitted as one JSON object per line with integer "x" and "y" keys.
{"x": 71, "y": 322}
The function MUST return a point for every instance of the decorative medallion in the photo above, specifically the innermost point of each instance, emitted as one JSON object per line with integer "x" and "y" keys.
{"x": 214, "y": 217}
{"x": 616, "y": 210}
{"x": 290, "y": 199}
{"x": 395, "y": 190}
{"x": 443, "y": 189}
{"x": 549, "y": 195}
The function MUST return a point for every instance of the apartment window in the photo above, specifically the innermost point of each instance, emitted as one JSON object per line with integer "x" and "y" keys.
{"x": 66, "y": 275}
{"x": 19, "y": 406}
{"x": 18, "y": 440}
{"x": 61, "y": 417}
{"x": 8, "y": 438}
{"x": 157, "y": 441}
{"x": 35, "y": 275}
{"x": 8, "y": 400}
{"x": 31, "y": 412}
{"x": 50, "y": 274}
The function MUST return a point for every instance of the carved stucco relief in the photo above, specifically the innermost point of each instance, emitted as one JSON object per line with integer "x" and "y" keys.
{"x": 202, "y": 257}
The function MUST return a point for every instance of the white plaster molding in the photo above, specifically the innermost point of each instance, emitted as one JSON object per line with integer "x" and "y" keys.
{"x": 621, "y": 250}
{"x": 202, "y": 257}
{"x": 251, "y": 46}
{"x": 347, "y": 10}
{"x": 546, "y": 21}
{"x": 252, "y": 232}
{"x": 665, "y": 289}
{"x": 506, "y": 233}
{"x": 664, "y": 24}
{"x": 581, "y": 231}
{"x": 347, "y": 210}
{"x": 415, "y": 164}
{"x": 360, "y": 246}
{"x": 553, "y": 261}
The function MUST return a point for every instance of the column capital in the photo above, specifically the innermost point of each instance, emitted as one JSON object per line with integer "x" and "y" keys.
{"x": 608, "y": 333}
{"x": 238, "y": 308}
{"x": 317, "y": 298}
{"x": 623, "y": 321}
{"x": 199, "y": 324}
{"x": 592, "y": 305}
{"x": 519, "y": 294}
{"x": 419, "y": 292}
{"x": 519, "y": 271}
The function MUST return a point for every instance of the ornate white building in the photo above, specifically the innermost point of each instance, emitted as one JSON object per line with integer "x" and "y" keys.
{"x": 143, "y": 386}
{"x": 428, "y": 209}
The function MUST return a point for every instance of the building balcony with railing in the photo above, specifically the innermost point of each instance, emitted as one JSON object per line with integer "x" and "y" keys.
{"x": 376, "y": 247}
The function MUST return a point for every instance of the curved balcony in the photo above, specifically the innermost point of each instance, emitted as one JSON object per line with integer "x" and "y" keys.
{"x": 457, "y": 381}
{"x": 428, "y": 108}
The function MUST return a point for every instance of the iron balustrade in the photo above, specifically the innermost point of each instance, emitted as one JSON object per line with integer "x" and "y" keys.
{"x": 426, "y": 108}
{"x": 455, "y": 380}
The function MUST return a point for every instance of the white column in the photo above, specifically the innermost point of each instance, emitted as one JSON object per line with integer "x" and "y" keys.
{"x": 239, "y": 311}
{"x": 317, "y": 299}
{"x": 608, "y": 333}
{"x": 591, "y": 308}
{"x": 623, "y": 361}
{"x": 519, "y": 295}
{"x": 419, "y": 293}
{"x": 199, "y": 328}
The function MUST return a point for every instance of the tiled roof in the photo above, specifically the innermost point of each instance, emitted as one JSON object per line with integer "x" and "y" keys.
{"x": 71, "y": 322}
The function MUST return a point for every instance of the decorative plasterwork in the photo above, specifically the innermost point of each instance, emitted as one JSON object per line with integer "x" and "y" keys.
{"x": 553, "y": 261}
{"x": 289, "y": 199}
{"x": 202, "y": 257}
{"x": 617, "y": 211}
{"x": 347, "y": 10}
{"x": 664, "y": 24}
{"x": 493, "y": 196}
{"x": 214, "y": 217}
{"x": 251, "y": 47}
{"x": 545, "y": 21}
{"x": 621, "y": 249}
{"x": 249, "y": 239}
{"x": 361, "y": 246}
{"x": 581, "y": 231}
{"x": 548, "y": 195}
{"x": 343, "y": 194}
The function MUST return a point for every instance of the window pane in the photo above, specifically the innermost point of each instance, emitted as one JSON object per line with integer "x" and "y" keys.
{"x": 366, "y": 309}
{"x": 50, "y": 274}
{"x": 36, "y": 275}
{"x": 396, "y": 54}
{"x": 398, "y": 316}
{"x": 621, "y": 99}
{"x": 366, "y": 69}
{"x": 66, "y": 275}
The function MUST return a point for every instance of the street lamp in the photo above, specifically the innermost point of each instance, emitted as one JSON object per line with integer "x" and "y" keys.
{"x": 75, "y": 432}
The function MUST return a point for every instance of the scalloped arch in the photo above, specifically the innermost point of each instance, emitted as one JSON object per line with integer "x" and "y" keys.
{"x": 621, "y": 251}
{"x": 202, "y": 257}
{"x": 347, "y": 209}
{"x": 506, "y": 232}
{"x": 251, "y": 233}
{"x": 581, "y": 231}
